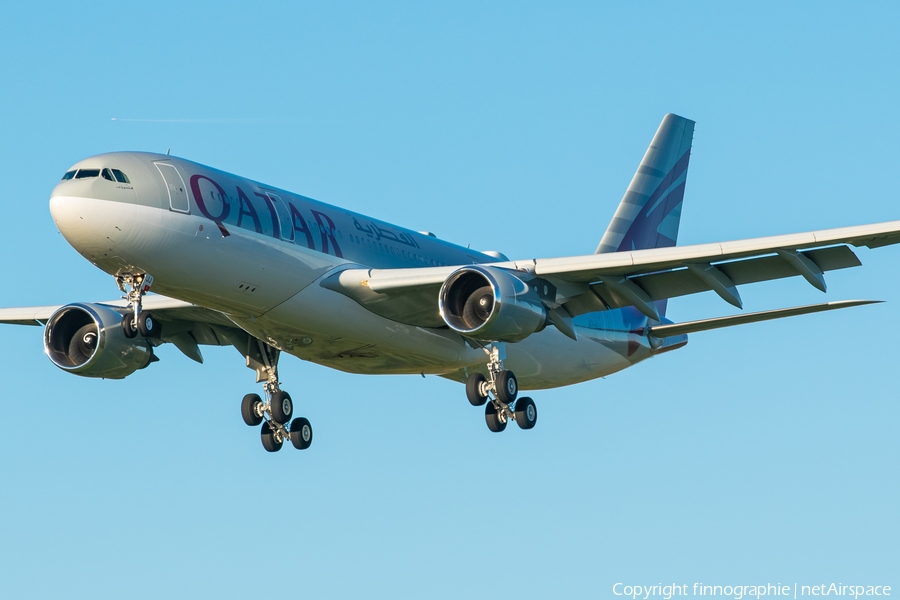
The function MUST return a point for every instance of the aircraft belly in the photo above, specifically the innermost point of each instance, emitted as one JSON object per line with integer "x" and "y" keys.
{"x": 328, "y": 328}
{"x": 550, "y": 359}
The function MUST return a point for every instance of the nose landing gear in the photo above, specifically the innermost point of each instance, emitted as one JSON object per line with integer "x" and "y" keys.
{"x": 276, "y": 410}
{"x": 503, "y": 386}
{"x": 137, "y": 322}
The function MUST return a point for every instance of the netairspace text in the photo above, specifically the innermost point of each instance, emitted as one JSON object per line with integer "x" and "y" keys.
{"x": 666, "y": 592}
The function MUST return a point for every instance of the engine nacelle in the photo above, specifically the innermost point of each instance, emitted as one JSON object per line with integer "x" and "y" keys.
{"x": 88, "y": 340}
{"x": 491, "y": 304}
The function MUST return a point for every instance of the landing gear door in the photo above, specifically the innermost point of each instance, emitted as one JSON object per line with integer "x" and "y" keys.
{"x": 178, "y": 199}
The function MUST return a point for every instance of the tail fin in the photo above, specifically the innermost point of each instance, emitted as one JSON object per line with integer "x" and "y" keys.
{"x": 650, "y": 211}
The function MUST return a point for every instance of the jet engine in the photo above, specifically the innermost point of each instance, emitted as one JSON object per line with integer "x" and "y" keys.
{"x": 88, "y": 340}
{"x": 491, "y": 304}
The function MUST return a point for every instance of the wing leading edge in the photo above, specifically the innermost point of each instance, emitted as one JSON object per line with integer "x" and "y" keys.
{"x": 161, "y": 305}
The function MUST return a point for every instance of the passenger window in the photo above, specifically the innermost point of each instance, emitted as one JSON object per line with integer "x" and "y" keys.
{"x": 87, "y": 173}
{"x": 120, "y": 176}
{"x": 107, "y": 175}
{"x": 68, "y": 175}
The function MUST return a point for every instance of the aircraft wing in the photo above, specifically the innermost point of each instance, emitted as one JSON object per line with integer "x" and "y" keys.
{"x": 597, "y": 266}
{"x": 185, "y": 325}
{"x": 598, "y": 282}
{"x": 165, "y": 308}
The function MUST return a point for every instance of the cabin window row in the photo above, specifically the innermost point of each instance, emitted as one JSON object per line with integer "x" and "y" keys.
{"x": 386, "y": 248}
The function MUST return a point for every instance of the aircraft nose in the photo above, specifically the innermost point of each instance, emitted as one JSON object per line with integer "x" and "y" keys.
{"x": 69, "y": 214}
{"x": 91, "y": 225}
{"x": 76, "y": 218}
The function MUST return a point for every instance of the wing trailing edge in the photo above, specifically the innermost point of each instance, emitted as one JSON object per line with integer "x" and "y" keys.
{"x": 672, "y": 329}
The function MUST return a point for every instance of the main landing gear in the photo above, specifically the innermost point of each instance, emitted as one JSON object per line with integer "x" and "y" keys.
{"x": 503, "y": 386}
{"x": 276, "y": 410}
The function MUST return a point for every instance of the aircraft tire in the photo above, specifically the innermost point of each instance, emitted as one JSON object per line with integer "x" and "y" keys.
{"x": 526, "y": 413}
{"x": 473, "y": 389}
{"x": 282, "y": 407}
{"x": 507, "y": 387}
{"x": 492, "y": 418}
{"x": 269, "y": 441}
{"x": 301, "y": 433}
{"x": 248, "y": 409}
{"x": 148, "y": 326}
{"x": 128, "y": 325}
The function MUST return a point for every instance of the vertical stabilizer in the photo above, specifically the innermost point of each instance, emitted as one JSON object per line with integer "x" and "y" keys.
{"x": 650, "y": 211}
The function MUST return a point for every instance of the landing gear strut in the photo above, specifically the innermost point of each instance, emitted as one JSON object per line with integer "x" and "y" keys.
{"x": 499, "y": 391}
{"x": 276, "y": 410}
{"x": 137, "y": 322}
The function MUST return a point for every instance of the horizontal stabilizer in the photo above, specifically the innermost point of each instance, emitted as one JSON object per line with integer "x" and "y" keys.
{"x": 662, "y": 331}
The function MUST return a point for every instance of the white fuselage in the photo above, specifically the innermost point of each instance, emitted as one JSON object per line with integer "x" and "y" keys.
{"x": 257, "y": 253}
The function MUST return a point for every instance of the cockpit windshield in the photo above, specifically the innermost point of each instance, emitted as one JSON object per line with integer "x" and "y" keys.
{"x": 108, "y": 174}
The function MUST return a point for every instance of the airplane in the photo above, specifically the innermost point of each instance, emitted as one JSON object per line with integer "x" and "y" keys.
{"x": 235, "y": 262}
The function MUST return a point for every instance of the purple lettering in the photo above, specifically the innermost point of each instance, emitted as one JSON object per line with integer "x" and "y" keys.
{"x": 301, "y": 226}
{"x": 276, "y": 229}
{"x": 198, "y": 198}
{"x": 327, "y": 233}
{"x": 250, "y": 211}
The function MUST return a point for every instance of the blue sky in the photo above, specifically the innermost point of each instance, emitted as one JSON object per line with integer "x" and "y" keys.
{"x": 761, "y": 454}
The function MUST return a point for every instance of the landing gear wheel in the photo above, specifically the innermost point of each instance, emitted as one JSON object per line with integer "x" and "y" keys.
{"x": 474, "y": 386}
{"x": 282, "y": 407}
{"x": 496, "y": 420}
{"x": 507, "y": 387}
{"x": 301, "y": 433}
{"x": 128, "y": 325}
{"x": 147, "y": 325}
{"x": 526, "y": 413}
{"x": 249, "y": 406}
{"x": 270, "y": 439}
